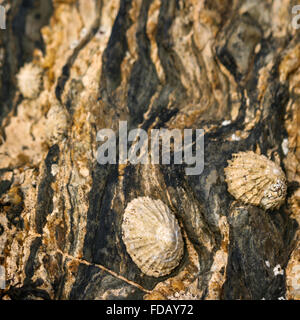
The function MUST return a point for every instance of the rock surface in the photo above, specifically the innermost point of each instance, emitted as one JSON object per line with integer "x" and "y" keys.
{"x": 229, "y": 67}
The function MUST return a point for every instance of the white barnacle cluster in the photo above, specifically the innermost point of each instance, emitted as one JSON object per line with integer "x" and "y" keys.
{"x": 30, "y": 80}
{"x": 57, "y": 123}
{"x": 152, "y": 236}
{"x": 278, "y": 270}
{"x": 256, "y": 180}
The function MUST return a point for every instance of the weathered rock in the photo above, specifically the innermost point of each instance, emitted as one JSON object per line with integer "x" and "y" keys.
{"x": 229, "y": 67}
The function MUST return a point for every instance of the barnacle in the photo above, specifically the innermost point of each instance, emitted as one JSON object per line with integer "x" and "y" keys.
{"x": 30, "y": 80}
{"x": 152, "y": 236}
{"x": 256, "y": 180}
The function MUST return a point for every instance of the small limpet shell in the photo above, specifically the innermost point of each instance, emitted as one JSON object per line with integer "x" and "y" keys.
{"x": 256, "y": 180}
{"x": 57, "y": 123}
{"x": 152, "y": 236}
{"x": 30, "y": 80}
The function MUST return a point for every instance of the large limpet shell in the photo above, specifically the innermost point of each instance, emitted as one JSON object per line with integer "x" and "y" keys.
{"x": 152, "y": 236}
{"x": 256, "y": 180}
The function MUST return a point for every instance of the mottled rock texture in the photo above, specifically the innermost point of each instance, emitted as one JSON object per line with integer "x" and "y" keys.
{"x": 231, "y": 67}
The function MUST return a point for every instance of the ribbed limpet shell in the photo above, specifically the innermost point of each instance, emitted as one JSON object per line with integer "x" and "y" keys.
{"x": 256, "y": 180}
{"x": 152, "y": 236}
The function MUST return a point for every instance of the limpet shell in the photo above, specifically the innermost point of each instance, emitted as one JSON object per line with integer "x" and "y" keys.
{"x": 57, "y": 123}
{"x": 256, "y": 180}
{"x": 152, "y": 236}
{"x": 30, "y": 80}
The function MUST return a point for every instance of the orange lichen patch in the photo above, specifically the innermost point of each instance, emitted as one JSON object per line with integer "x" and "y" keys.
{"x": 54, "y": 187}
{"x": 218, "y": 268}
{"x": 50, "y": 57}
{"x": 20, "y": 238}
{"x": 290, "y": 63}
{"x": 187, "y": 117}
{"x": 59, "y": 37}
{"x": 49, "y": 237}
{"x": 224, "y": 227}
{"x": 177, "y": 285}
{"x": 251, "y": 124}
{"x": 215, "y": 287}
{"x": 205, "y": 23}
{"x": 170, "y": 286}
{"x": 212, "y": 19}
{"x": 69, "y": 2}
{"x": 262, "y": 85}
{"x": 83, "y": 142}
{"x": 292, "y": 160}
{"x": 293, "y": 276}
{"x": 295, "y": 82}
{"x": 13, "y": 196}
{"x": 183, "y": 284}
{"x": 292, "y": 166}
{"x": 121, "y": 169}
{"x": 131, "y": 32}
{"x": 73, "y": 266}
{"x": 154, "y": 296}
{"x": 151, "y": 30}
